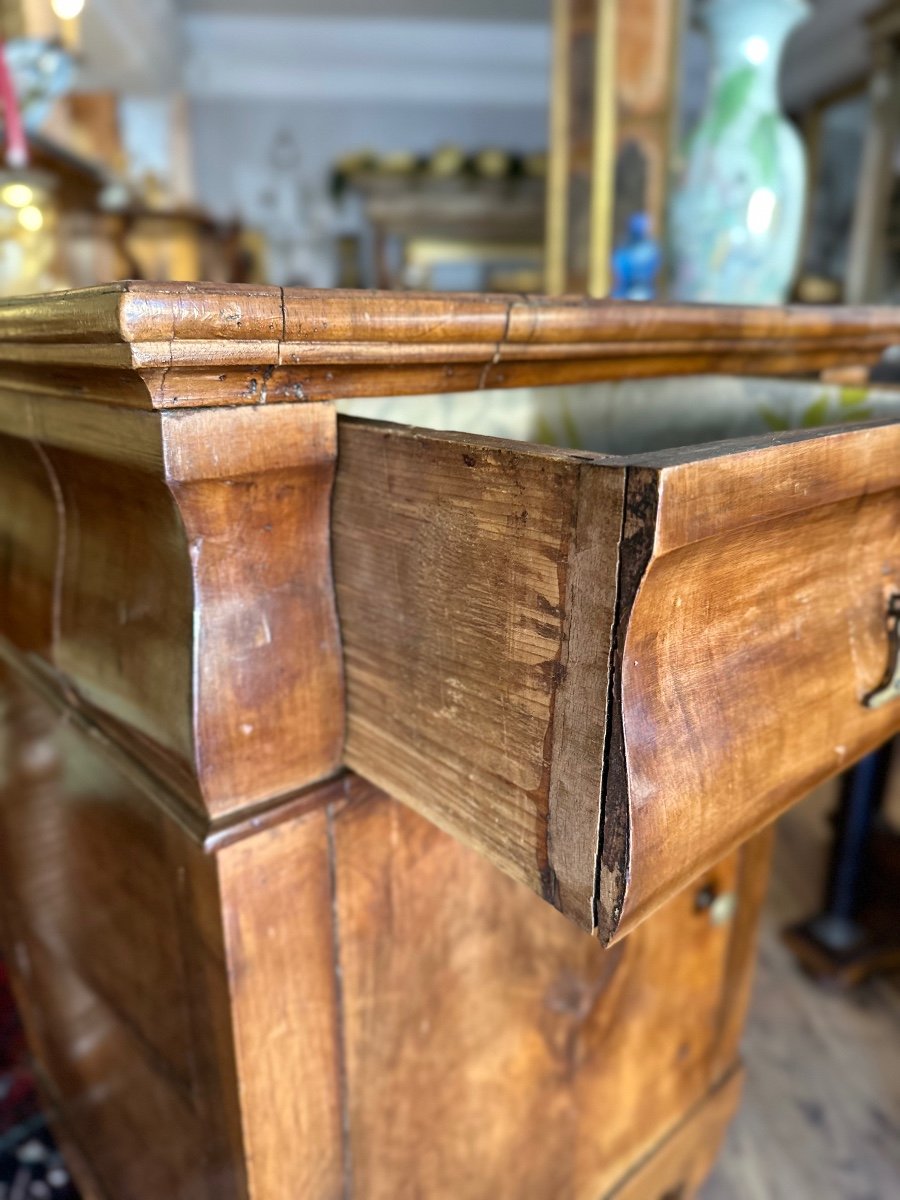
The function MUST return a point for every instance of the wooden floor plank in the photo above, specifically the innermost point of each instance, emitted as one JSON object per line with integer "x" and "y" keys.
{"x": 820, "y": 1118}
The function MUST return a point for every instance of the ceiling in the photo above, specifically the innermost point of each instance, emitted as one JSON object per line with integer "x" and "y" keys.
{"x": 459, "y": 10}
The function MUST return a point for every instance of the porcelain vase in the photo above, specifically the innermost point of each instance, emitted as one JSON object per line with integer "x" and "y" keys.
{"x": 737, "y": 213}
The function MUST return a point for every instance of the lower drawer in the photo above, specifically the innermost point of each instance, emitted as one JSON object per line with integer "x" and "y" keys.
{"x": 678, "y": 1166}
{"x": 86, "y": 872}
{"x": 105, "y": 1089}
{"x": 101, "y": 958}
{"x": 606, "y": 672}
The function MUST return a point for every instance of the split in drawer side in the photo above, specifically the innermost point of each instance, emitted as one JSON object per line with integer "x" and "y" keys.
{"x": 605, "y": 673}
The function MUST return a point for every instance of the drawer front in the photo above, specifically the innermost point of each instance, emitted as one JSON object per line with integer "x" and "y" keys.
{"x": 605, "y": 673}
{"x": 757, "y": 629}
{"x": 87, "y": 880}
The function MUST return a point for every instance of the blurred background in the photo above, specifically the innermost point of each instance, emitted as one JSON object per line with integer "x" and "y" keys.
{"x": 695, "y": 150}
{"x": 483, "y": 144}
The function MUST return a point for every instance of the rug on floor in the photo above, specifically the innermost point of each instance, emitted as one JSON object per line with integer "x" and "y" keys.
{"x": 31, "y": 1167}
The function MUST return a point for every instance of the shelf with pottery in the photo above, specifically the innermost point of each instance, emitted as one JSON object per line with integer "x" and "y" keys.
{"x": 484, "y": 209}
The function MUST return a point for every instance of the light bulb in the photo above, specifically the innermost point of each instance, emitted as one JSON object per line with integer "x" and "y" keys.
{"x": 67, "y": 10}
{"x": 31, "y": 218}
{"x": 16, "y": 195}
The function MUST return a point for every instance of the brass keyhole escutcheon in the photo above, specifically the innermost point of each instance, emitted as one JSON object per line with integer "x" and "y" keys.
{"x": 889, "y": 688}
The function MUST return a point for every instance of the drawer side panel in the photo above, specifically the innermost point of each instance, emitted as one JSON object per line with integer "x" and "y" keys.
{"x": 475, "y": 583}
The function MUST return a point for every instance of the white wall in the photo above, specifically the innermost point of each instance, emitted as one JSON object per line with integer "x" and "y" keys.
{"x": 237, "y": 150}
{"x": 458, "y": 62}
{"x": 234, "y": 140}
{"x": 269, "y": 88}
{"x": 131, "y": 46}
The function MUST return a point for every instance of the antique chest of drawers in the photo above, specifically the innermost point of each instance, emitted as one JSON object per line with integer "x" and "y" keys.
{"x": 296, "y": 703}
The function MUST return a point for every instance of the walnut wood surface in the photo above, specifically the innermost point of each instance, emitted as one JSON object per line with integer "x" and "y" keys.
{"x": 174, "y": 578}
{"x": 181, "y": 1001}
{"x": 347, "y": 1002}
{"x": 546, "y": 1063}
{"x": 171, "y": 345}
{"x": 590, "y": 656}
{"x": 90, "y": 926}
{"x": 476, "y": 619}
{"x": 161, "y": 564}
{"x": 30, "y": 516}
{"x": 240, "y": 966}
{"x": 678, "y": 1167}
{"x": 261, "y": 911}
{"x": 756, "y": 630}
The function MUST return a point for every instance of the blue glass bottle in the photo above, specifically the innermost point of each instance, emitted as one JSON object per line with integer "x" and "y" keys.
{"x": 635, "y": 264}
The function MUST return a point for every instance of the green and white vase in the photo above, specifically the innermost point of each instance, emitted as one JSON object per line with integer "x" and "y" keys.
{"x": 736, "y": 215}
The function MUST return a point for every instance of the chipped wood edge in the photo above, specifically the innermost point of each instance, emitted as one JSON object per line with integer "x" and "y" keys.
{"x": 585, "y": 670}
{"x": 641, "y": 502}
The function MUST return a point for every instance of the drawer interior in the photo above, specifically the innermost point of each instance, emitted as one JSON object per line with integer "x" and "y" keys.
{"x": 638, "y": 416}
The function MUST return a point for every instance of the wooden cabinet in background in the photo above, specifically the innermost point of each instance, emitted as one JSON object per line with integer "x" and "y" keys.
{"x": 612, "y": 116}
{"x": 283, "y": 691}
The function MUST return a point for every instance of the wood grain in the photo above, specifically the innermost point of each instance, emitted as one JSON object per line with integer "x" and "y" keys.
{"x": 29, "y": 538}
{"x": 71, "y": 868}
{"x": 273, "y": 907}
{"x": 171, "y": 345}
{"x": 476, "y": 614}
{"x": 680, "y": 1164}
{"x": 91, "y": 932}
{"x": 180, "y": 998}
{"x": 124, "y": 598}
{"x": 348, "y": 1000}
{"x": 238, "y": 964}
{"x": 253, "y": 492}
{"x": 500, "y": 571}
{"x": 514, "y": 1055}
{"x": 183, "y": 562}
{"x": 757, "y": 627}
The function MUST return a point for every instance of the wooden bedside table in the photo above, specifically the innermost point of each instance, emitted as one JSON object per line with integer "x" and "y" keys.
{"x": 284, "y": 691}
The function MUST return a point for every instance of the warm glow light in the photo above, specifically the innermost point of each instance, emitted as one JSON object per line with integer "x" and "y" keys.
{"x": 67, "y": 10}
{"x": 761, "y": 210}
{"x": 756, "y": 50}
{"x": 16, "y": 195}
{"x": 31, "y": 218}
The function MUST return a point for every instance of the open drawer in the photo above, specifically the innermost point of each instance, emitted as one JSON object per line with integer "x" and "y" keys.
{"x": 606, "y": 671}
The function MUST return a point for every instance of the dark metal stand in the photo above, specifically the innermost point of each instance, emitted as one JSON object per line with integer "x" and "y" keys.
{"x": 858, "y": 930}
